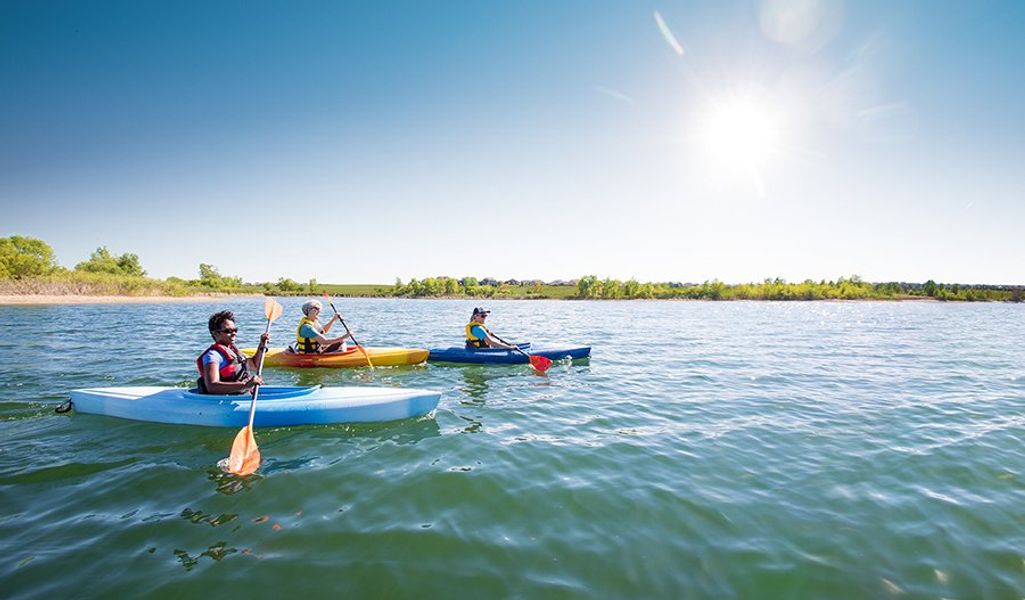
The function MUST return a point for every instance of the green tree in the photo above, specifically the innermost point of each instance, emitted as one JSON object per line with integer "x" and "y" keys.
{"x": 129, "y": 265}
{"x": 288, "y": 285}
{"x": 209, "y": 276}
{"x": 102, "y": 261}
{"x": 22, "y": 257}
{"x": 588, "y": 287}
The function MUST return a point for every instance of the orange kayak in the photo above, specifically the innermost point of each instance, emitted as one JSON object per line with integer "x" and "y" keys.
{"x": 381, "y": 357}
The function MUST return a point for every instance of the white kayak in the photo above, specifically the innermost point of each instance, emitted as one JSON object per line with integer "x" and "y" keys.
{"x": 276, "y": 406}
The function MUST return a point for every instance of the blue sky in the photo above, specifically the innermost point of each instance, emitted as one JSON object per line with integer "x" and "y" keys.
{"x": 360, "y": 142}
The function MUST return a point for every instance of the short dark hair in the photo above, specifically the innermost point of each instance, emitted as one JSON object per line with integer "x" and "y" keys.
{"x": 217, "y": 321}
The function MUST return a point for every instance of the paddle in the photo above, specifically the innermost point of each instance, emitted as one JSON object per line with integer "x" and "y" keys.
{"x": 245, "y": 455}
{"x": 342, "y": 321}
{"x": 541, "y": 363}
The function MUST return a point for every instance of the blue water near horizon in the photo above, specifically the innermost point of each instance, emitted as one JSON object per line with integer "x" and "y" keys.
{"x": 706, "y": 450}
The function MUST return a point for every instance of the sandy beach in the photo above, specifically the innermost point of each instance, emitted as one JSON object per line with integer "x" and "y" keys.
{"x": 80, "y": 299}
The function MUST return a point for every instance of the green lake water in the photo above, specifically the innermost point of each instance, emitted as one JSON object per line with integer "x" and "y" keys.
{"x": 706, "y": 450}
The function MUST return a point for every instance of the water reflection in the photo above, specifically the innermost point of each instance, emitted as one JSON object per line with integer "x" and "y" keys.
{"x": 217, "y": 551}
{"x": 476, "y": 383}
{"x": 198, "y": 516}
{"x": 229, "y": 484}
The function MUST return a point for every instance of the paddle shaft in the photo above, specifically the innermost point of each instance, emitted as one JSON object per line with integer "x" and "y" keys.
{"x": 514, "y": 346}
{"x": 351, "y": 337}
{"x": 259, "y": 373}
{"x": 342, "y": 321}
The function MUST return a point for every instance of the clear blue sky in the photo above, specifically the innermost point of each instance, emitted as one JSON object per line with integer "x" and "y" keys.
{"x": 360, "y": 142}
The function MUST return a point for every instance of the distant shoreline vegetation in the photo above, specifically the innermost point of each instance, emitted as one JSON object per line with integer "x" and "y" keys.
{"x": 28, "y": 266}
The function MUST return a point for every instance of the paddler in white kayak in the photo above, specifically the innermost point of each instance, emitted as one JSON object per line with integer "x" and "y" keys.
{"x": 477, "y": 334}
{"x": 223, "y": 369}
{"x": 309, "y": 335}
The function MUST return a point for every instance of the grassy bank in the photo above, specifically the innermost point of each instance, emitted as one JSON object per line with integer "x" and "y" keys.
{"x": 71, "y": 283}
{"x": 28, "y": 267}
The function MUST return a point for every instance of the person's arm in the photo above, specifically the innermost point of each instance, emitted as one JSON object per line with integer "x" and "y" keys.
{"x": 325, "y": 341}
{"x": 331, "y": 322}
{"x": 491, "y": 341}
{"x": 253, "y": 362}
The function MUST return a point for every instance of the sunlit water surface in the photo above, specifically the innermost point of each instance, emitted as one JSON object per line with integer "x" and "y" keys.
{"x": 706, "y": 450}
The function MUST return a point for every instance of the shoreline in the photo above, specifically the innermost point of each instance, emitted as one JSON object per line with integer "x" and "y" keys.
{"x": 52, "y": 299}
{"x": 79, "y": 299}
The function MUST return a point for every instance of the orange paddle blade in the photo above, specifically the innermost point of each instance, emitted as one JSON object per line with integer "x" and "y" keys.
{"x": 272, "y": 309}
{"x": 245, "y": 456}
{"x": 540, "y": 363}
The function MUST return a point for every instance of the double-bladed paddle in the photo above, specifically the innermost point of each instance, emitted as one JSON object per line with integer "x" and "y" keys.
{"x": 342, "y": 321}
{"x": 541, "y": 363}
{"x": 245, "y": 455}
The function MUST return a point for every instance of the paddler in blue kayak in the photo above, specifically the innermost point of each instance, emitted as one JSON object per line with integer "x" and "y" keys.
{"x": 309, "y": 335}
{"x": 477, "y": 334}
{"x": 223, "y": 369}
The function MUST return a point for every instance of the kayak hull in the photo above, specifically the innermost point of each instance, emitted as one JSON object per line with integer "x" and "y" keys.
{"x": 275, "y": 407}
{"x": 381, "y": 357}
{"x": 493, "y": 356}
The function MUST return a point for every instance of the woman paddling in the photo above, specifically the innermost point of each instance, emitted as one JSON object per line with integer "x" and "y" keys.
{"x": 309, "y": 336}
{"x": 477, "y": 334}
{"x": 223, "y": 369}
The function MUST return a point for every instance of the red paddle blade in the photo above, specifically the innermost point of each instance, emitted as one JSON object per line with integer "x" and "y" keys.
{"x": 540, "y": 363}
{"x": 245, "y": 455}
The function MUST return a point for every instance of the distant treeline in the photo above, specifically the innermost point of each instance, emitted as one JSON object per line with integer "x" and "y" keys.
{"x": 591, "y": 287}
{"x": 28, "y": 266}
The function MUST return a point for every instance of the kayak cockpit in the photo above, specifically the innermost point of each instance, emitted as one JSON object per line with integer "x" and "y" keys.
{"x": 267, "y": 392}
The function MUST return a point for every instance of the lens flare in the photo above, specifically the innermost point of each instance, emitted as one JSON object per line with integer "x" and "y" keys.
{"x": 740, "y": 132}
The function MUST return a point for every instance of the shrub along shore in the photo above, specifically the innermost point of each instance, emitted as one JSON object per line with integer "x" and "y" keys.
{"x": 28, "y": 268}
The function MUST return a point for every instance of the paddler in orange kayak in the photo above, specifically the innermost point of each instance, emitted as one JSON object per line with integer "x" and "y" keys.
{"x": 309, "y": 335}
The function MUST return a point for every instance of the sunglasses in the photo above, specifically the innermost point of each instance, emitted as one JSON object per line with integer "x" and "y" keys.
{"x": 229, "y": 330}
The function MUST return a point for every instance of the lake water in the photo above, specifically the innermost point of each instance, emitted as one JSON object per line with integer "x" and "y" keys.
{"x": 706, "y": 450}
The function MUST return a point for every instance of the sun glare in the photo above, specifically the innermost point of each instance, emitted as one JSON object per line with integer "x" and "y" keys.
{"x": 740, "y": 133}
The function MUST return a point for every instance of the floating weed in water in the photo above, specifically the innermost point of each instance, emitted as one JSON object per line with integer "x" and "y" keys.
{"x": 217, "y": 551}
{"x": 198, "y": 516}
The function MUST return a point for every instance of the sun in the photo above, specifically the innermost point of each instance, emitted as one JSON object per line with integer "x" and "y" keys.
{"x": 741, "y": 133}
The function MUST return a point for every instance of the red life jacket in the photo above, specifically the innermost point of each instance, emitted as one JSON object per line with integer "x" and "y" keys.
{"x": 233, "y": 367}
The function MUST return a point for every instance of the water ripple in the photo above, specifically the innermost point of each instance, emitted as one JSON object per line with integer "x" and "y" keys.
{"x": 707, "y": 450}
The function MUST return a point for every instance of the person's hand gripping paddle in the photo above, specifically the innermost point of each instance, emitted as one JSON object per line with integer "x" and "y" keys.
{"x": 541, "y": 363}
{"x": 245, "y": 455}
{"x": 342, "y": 321}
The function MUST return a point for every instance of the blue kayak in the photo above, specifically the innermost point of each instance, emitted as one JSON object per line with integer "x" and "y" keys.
{"x": 493, "y": 356}
{"x": 276, "y": 406}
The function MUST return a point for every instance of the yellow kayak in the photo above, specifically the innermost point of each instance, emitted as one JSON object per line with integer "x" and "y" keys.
{"x": 381, "y": 357}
